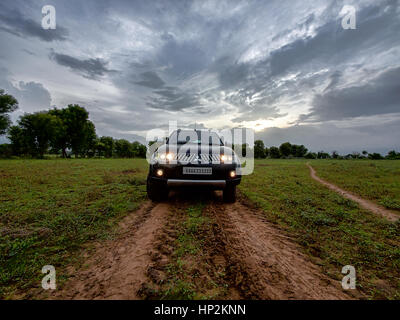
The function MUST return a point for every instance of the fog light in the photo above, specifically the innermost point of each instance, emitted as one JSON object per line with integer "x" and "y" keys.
{"x": 160, "y": 172}
{"x": 232, "y": 173}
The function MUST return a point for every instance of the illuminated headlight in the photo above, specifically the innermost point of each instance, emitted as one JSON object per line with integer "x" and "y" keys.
{"x": 159, "y": 172}
{"x": 166, "y": 156}
{"x": 226, "y": 158}
{"x": 232, "y": 174}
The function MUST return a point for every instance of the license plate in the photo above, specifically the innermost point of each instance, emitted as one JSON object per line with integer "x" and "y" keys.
{"x": 194, "y": 170}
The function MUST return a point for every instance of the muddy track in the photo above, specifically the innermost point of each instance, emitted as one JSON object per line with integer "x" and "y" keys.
{"x": 258, "y": 259}
{"x": 265, "y": 263}
{"x": 366, "y": 204}
{"x": 117, "y": 268}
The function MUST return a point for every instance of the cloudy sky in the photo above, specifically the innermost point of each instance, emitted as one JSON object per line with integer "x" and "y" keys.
{"x": 284, "y": 68}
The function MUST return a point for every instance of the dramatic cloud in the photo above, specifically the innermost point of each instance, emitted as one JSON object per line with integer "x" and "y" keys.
{"x": 285, "y": 68}
{"x": 90, "y": 68}
{"x": 379, "y": 96}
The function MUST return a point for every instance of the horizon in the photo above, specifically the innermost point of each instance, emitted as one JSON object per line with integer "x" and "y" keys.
{"x": 287, "y": 70}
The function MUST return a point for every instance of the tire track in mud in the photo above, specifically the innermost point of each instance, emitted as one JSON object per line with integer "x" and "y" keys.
{"x": 241, "y": 256}
{"x": 264, "y": 262}
{"x": 117, "y": 268}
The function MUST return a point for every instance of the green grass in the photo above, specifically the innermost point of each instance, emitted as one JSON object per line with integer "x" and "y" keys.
{"x": 375, "y": 180}
{"x": 334, "y": 231}
{"x": 50, "y": 208}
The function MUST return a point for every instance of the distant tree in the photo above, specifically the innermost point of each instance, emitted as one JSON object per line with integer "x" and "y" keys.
{"x": 285, "y": 149}
{"x": 311, "y": 155}
{"x": 38, "y": 129}
{"x": 5, "y": 150}
{"x": 274, "y": 153}
{"x": 89, "y": 139}
{"x": 375, "y": 156}
{"x": 139, "y": 150}
{"x": 78, "y": 131}
{"x": 7, "y": 104}
{"x": 335, "y": 154}
{"x": 19, "y": 143}
{"x": 323, "y": 155}
{"x": 108, "y": 146}
{"x": 364, "y": 152}
{"x": 298, "y": 151}
{"x": 259, "y": 149}
{"x": 123, "y": 148}
{"x": 393, "y": 155}
{"x": 267, "y": 152}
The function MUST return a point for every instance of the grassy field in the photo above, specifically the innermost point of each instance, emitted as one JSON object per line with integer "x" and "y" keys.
{"x": 334, "y": 231}
{"x": 49, "y": 208}
{"x": 375, "y": 180}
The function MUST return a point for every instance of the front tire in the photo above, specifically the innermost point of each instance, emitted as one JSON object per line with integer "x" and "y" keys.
{"x": 156, "y": 192}
{"x": 229, "y": 194}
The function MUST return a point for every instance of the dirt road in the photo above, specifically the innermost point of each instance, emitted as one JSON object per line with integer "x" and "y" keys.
{"x": 259, "y": 260}
{"x": 366, "y": 204}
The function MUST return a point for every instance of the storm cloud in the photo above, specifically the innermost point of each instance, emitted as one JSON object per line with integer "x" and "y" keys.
{"x": 285, "y": 68}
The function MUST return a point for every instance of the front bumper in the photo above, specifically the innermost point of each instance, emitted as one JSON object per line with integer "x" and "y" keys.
{"x": 195, "y": 183}
{"x": 174, "y": 177}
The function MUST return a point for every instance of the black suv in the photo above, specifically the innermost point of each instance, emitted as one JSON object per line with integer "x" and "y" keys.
{"x": 195, "y": 158}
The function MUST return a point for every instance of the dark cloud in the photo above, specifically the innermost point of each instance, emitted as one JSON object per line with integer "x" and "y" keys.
{"x": 14, "y": 22}
{"x": 89, "y": 68}
{"x": 150, "y": 79}
{"x": 379, "y": 136}
{"x": 379, "y": 96}
{"x": 376, "y": 25}
{"x": 174, "y": 99}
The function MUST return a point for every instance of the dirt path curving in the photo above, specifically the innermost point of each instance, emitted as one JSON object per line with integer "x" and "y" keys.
{"x": 266, "y": 263}
{"x": 366, "y": 204}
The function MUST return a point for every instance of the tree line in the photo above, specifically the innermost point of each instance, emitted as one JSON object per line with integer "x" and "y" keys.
{"x": 68, "y": 131}
{"x": 65, "y": 132}
{"x": 287, "y": 150}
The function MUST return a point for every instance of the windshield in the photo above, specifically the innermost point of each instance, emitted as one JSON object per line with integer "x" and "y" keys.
{"x": 194, "y": 137}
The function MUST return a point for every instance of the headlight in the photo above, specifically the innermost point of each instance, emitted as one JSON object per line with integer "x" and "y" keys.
{"x": 226, "y": 158}
{"x": 166, "y": 156}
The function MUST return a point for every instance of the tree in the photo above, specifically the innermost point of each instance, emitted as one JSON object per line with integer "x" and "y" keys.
{"x": 285, "y": 149}
{"x": 323, "y": 155}
{"x": 123, "y": 148}
{"x": 274, "y": 153}
{"x": 139, "y": 150}
{"x": 78, "y": 131}
{"x": 18, "y": 140}
{"x": 311, "y": 155}
{"x": 298, "y": 151}
{"x": 108, "y": 146}
{"x": 60, "y": 142}
{"x": 335, "y": 155}
{"x": 375, "y": 156}
{"x": 38, "y": 129}
{"x": 259, "y": 149}
{"x": 393, "y": 155}
{"x": 7, "y": 104}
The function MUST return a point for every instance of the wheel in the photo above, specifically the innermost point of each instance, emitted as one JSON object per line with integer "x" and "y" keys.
{"x": 229, "y": 194}
{"x": 156, "y": 192}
